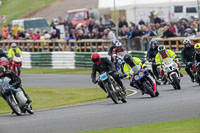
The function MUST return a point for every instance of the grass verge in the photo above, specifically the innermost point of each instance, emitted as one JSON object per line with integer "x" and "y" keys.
{"x": 183, "y": 126}
{"x": 54, "y": 97}
{"x": 14, "y": 9}
{"x": 76, "y": 71}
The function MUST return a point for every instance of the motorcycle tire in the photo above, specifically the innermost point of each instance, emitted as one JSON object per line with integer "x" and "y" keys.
{"x": 148, "y": 89}
{"x": 111, "y": 93}
{"x": 122, "y": 94}
{"x": 156, "y": 93}
{"x": 176, "y": 82}
{"x": 18, "y": 70}
{"x": 13, "y": 105}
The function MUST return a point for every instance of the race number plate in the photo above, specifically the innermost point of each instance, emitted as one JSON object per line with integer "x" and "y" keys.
{"x": 103, "y": 76}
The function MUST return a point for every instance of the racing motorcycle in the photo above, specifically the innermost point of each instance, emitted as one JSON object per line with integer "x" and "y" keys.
{"x": 142, "y": 80}
{"x": 4, "y": 62}
{"x": 15, "y": 98}
{"x": 171, "y": 72}
{"x": 197, "y": 72}
{"x": 16, "y": 64}
{"x": 114, "y": 90}
{"x": 120, "y": 64}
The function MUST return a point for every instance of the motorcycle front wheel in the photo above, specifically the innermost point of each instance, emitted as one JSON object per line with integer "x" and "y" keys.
{"x": 13, "y": 105}
{"x": 176, "y": 82}
{"x": 110, "y": 89}
{"x": 148, "y": 89}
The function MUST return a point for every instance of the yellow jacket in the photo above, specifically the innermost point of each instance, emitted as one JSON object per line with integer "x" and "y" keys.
{"x": 11, "y": 52}
{"x": 127, "y": 67}
{"x": 159, "y": 59}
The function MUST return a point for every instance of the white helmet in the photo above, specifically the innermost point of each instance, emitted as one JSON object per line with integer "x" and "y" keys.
{"x": 186, "y": 41}
{"x": 13, "y": 45}
{"x": 161, "y": 48}
{"x": 117, "y": 43}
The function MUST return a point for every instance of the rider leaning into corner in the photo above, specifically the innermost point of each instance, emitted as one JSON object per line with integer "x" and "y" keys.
{"x": 130, "y": 62}
{"x": 151, "y": 54}
{"x": 104, "y": 65}
{"x": 13, "y": 50}
{"x": 15, "y": 81}
{"x": 188, "y": 57}
{"x": 162, "y": 54}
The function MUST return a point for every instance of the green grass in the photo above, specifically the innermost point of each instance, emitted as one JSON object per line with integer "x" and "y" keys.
{"x": 77, "y": 71}
{"x": 14, "y": 9}
{"x": 54, "y": 97}
{"x": 183, "y": 126}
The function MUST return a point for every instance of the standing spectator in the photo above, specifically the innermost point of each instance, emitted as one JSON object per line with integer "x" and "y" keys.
{"x": 54, "y": 35}
{"x": 141, "y": 22}
{"x": 4, "y": 34}
{"x": 159, "y": 30}
{"x": 167, "y": 33}
{"x": 108, "y": 34}
{"x": 122, "y": 22}
{"x": 37, "y": 35}
{"x": 31, "y": 34}
{"x": 57, "y": 31}
{"x": 91, "y": 24}
{"x": 22, "y": 34}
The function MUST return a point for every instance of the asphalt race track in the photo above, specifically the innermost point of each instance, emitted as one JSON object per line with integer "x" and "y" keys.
{"x": 140, "y": 109}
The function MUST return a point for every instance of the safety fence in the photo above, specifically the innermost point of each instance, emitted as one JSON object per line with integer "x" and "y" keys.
{"x": 93, "y": 45}
{"x": 86, "y": 45}
{"x": 70, "y": 60}
{"x": 176, "y": 43}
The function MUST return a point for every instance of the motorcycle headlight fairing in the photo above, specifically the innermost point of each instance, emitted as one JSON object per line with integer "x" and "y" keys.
{"x": 174, "y": 66}
{"x": 141, "y": 74}
{"x": 136, "y": 77}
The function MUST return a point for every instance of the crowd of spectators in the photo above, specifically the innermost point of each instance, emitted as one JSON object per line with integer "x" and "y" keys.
{"x": 98, "y": 30}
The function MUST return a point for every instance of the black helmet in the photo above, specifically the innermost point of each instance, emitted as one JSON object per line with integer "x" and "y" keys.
{"x": 128, "y": 59}
{"x": 1, "y": 51}
{"x": 2, "y": 69}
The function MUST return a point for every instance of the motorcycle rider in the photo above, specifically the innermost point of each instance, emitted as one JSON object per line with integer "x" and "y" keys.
{"x": 119, "y": 50}
{"x": 13, "y": 50}
{"x": 104, "y": 65}
{"x": 162, "y": 54}
{"x": 2, "y": 54}
{"x": 15, "y": 81}
{"x": 112, "y": 46}
{"x": 151, "y": 54}
{"x": 187, "y": 57}
{"x": 130, "y": 63}
{"x": 197, "y": 54}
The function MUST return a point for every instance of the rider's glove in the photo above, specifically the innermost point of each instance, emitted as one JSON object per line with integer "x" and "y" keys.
{"x": 94, "y": 81}
{"x": 189, "y": 63}
{"x": 15, "y": 85}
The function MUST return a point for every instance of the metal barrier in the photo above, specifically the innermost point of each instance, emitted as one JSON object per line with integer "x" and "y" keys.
{"x": 175, "y": 43}
{"x": 89, "y": 45}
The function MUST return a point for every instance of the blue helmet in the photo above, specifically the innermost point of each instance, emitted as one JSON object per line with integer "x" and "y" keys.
{"x": 153, "y": 44}
{"x": 117, "y": 43}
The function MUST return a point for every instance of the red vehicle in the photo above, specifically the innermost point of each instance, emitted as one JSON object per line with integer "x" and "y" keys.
{"x": 4, "y": 62}
{"x": 16, "y": 64}
{"x": 78, "y": 16}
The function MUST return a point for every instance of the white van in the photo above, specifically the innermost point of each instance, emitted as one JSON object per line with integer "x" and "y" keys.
{"x": 179, "y": 12}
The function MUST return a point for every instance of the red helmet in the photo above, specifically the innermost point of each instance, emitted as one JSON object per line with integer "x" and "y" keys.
{"x": 96, "y": 58}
